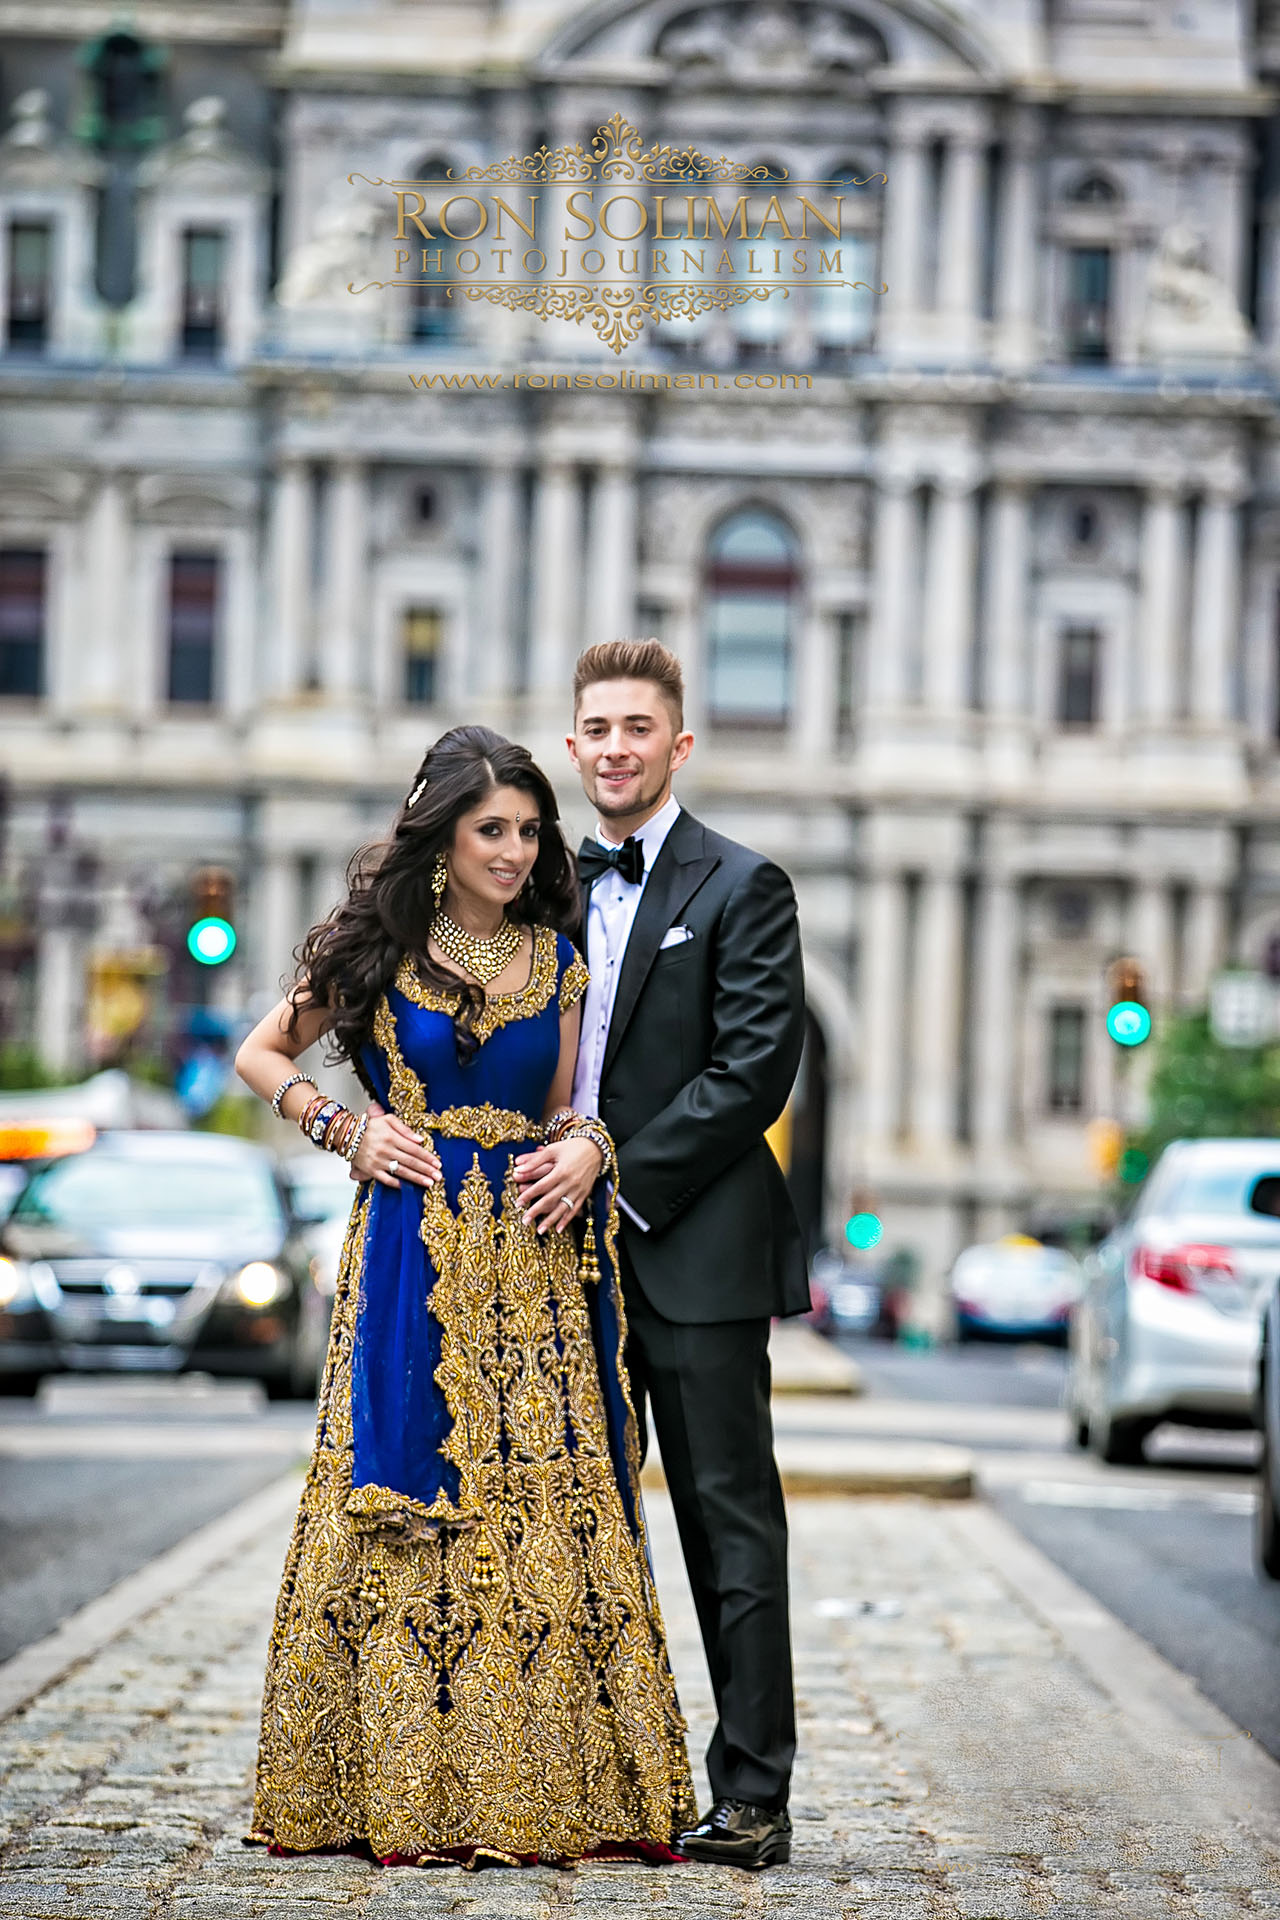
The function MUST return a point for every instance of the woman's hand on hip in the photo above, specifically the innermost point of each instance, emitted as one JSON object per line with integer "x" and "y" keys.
{"x": 391, "y": 1152}
{"x": 554, "y": 1182}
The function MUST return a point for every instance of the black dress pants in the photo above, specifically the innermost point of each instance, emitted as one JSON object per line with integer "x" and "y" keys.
{"x": 707, "y": 1389}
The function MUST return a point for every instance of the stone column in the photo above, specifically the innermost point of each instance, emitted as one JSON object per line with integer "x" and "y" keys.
{"x": 555, "y": 563}
{"x": 346, "y": 585}
{"x": 612, "y": 605}
{"x": 278, "y": 919}
{"x": 995, "y": 1014}
{"x": 1205, "y": 942}
{"x": 287, "y": 642}
{"x": 1006, "y": 688}
{"x": 1152, "y": 935}
{"x": 948, "y": 609}
{"x": 935, "y": 1066}
{"x": 893, "y": 564}
{"x": 960, "y": 236}
{"x": 1016, "y": 257}
{"x": 903, "y": 229}
{"x": 493, "y": 667}
{"x": 882, "y": 972}
{"x": 814, "y": 724}
{"x": 104, "y": 676}
{"x": 1215, "y": 606}
{"x": 1161, "y": 602}
{"x": 58, "y": 999}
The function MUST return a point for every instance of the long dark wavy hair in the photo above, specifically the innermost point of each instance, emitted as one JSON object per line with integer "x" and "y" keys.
{"x": 348, "y": 961}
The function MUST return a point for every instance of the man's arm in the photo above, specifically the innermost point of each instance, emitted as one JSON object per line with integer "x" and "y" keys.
{"x": 757, "y": 1036}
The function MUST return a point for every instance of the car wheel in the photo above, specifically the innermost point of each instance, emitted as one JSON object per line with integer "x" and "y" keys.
{"x": 1266, "y": 1521}
{"x": 24, "y": 1385}
{"x": 1119, "y": 1441}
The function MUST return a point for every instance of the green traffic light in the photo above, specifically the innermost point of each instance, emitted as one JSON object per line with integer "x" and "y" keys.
{"x": 1128, "y": 1023}
{"x": 211, "y": 942}
{"x": 863, "y": 1231}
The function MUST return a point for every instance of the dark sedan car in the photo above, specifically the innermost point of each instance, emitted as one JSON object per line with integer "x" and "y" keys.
{"x": 158, "y": 1252}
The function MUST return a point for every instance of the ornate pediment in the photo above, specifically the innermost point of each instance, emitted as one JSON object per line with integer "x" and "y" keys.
{"x": 177, "y": 499}
{"x": 769, "y": 41}
{"x": 40, "y": 496}
{"x": 33, "y": 154}
{"x": 204, "y": 159}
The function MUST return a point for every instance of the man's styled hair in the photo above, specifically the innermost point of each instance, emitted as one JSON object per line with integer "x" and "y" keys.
{"x": 632, "y": 660}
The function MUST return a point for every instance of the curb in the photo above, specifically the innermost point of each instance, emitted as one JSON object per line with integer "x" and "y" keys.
{"x": 801, "y": 1361}
{"x": 862, "y": 1468}
{"x": 33, "y": 1669}
{"x": 1162, "y": 1703}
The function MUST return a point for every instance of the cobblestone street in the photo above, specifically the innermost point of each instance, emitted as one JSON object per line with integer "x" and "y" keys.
{"x": 978, "y": 1739}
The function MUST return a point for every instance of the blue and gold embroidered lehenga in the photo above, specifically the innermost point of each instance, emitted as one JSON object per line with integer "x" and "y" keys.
{"x": 468, "y": 1661}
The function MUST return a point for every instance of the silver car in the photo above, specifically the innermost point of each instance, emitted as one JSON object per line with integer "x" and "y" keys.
{"x": 1168, "y": 1327}
{"x": 1267, "y": 1512}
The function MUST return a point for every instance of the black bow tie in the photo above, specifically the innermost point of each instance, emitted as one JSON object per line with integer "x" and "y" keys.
{"x": 593, "y": 860}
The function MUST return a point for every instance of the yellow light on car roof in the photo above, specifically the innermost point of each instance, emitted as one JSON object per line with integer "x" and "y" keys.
{"x": 45, "y": 1139}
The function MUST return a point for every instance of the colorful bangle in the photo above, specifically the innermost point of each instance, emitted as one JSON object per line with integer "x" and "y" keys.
{"x": 294, "y": 1080}
{"x": 316, "y": 1125}
{"x": 353, "y": 1145}
{"x": 559, "y": 1123}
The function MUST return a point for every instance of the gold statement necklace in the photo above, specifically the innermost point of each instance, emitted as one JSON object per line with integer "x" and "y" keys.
{"x": 483, "y": 959}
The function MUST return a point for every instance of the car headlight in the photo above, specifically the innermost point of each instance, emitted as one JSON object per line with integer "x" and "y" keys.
{"x": 257, "y": 1284}
{"x": 16, "y": 1289}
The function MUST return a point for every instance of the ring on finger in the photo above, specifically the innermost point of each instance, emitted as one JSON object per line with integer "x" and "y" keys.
{"x": 393, "y": 1166}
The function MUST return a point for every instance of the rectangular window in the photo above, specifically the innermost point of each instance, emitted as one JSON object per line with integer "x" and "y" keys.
{"x": 421, "y": 638}
{"x": 193, "y": 616}
{"x": 1079, "y": 658}
{"x": 1066, "y": 1059}
{"x": 22, "y": 599}
{"x": 202, "y": 267}
{"x": 750, "y": 667}
{"x": 433, "y": 303}
{"x": 1088, "y": 316}
{"x": 30, "y": 283}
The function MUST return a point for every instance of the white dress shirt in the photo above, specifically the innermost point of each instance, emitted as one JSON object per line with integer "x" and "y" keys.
{"x": 610, "y": 917}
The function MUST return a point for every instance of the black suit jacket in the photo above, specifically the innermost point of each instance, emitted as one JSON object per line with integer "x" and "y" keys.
{"x": 703, "y": 1048}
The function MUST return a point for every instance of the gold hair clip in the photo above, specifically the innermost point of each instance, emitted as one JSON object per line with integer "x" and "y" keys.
{"x": 417, "y": 794}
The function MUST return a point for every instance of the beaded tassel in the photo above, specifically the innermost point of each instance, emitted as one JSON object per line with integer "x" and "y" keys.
{"x": 589, "y": 1268}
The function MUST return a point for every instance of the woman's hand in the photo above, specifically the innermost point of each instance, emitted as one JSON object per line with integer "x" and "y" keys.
{"x": 390, "y": 1148}
{"x": 554, "y": 1182}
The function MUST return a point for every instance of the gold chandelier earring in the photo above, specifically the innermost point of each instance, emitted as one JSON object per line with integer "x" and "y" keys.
{"x": 439, "y": 880}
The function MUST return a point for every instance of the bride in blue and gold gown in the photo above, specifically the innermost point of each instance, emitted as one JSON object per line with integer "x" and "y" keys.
{"x": 467, "y": 1663}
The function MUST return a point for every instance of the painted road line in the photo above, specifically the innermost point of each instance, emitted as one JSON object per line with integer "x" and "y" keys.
{"x": 90, "y": 1629}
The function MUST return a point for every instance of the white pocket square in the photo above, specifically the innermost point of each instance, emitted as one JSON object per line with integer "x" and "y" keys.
{"x": 676, "y": 937}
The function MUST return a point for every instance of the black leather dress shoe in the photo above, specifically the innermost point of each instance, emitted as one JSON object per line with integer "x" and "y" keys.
{"x": 737, "y": 1834}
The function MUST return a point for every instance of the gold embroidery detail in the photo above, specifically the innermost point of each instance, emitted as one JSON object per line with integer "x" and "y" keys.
{"x": 574, "y": 984}
{"x": 498, "y": 1008}
{"x": 502, "y": 1686}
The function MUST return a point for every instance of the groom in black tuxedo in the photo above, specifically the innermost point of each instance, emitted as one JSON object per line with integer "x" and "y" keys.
{"x": 691, "y": 1035}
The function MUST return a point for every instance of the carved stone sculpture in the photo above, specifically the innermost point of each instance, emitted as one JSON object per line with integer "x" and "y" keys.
{"x": 341, "y": 250}
{"x": 1189, "y": 311}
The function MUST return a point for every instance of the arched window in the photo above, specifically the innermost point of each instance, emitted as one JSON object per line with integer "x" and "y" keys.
{"x": 752, "y": 585}
{"x": 433, "y": 312}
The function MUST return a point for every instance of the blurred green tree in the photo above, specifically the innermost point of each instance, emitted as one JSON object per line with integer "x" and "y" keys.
{"x": 1200, "y": 1089}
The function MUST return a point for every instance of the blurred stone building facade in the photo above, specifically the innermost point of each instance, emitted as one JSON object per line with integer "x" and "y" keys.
{"x": 979, "y": 619}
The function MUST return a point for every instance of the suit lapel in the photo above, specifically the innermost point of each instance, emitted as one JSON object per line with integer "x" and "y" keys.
{"x": 678, "y": 872}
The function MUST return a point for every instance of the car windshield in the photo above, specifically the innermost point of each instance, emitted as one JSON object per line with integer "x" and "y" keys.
{"x": 320, "y": 1192}
{"x": 115, "y": 1190}
{"x": 1223, "y": 1186}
